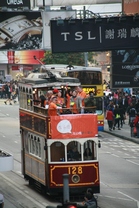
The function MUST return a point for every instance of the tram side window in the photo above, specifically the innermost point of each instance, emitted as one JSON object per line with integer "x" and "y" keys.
{"x": 36, "y": 146}
{"x": 73, "y": 151}
{"x": 90, "y": 150}
{"x": 57, "y": 152}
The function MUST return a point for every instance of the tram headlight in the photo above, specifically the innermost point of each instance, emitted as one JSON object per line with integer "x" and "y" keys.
{"x": 75, "y": 178}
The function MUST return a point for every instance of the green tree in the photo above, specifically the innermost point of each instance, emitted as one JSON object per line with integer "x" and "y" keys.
{"x": 67, "y": 58}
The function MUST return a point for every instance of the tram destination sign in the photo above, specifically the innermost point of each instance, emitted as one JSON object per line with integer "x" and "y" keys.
{"x": 97, "y": 34}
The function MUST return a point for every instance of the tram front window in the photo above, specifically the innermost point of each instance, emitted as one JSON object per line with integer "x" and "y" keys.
{"x": 57, "y": 152}
{"x": 90, "y": 151}
{"x": 73, "y": 151}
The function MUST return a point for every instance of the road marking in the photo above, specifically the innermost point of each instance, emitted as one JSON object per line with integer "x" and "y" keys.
{"x": 17, "y": 188}
{"x": 129, "y": 198}
{"x": 126, "y": 153}
{"x": 133, "y": 162}
{"x": 114, "y": 155}
{"x": 125, "y": 199}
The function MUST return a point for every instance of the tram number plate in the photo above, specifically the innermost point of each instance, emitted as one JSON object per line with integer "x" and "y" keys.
{"x": 75, "y": 170}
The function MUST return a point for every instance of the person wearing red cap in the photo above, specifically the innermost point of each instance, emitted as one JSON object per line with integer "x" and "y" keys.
{"x": 55, "y": 91}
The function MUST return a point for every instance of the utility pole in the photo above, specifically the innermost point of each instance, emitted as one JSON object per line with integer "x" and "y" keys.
{"x": 85, "y": 53}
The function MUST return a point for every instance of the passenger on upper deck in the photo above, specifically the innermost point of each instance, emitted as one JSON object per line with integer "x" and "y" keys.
{"x": 42, "y": 99}
{"x": 48, "y": 97}
{"x": 89, "y": 102}
{"x": 52, "y": 109}
{"x": 68, "y": 96}
{"x": 81, "y": 94}
{"x": 75, "y": 102}
{"x": 60, "y": 99}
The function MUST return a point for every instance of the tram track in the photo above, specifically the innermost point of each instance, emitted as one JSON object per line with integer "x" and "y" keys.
{"x": 13, "y": 182}
{"x": 51, "y": 199}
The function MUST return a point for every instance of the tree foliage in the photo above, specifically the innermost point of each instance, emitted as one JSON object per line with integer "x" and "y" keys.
{"x": 67, "y": 58}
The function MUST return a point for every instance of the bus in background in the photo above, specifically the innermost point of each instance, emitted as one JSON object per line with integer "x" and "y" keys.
{"x": 91, "y": 80}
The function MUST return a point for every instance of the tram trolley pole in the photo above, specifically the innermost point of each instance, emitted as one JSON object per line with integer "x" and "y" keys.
{"x": 65, "y": 188}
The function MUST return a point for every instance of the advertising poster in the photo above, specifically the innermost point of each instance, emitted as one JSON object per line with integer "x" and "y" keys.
{"x": 81, "y": 126}
{"x": 25, "y": 57}
{"x": 21, "y": 57}
{"x": 94, "y": 34}
{"x": 125, "y": 68}
{"x": 20, "y": 31}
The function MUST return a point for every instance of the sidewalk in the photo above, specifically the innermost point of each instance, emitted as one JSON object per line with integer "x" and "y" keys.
{"x": 124, "y": 133}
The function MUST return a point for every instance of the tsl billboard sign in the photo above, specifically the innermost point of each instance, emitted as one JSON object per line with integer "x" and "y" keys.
{"x": 97, "y": 34}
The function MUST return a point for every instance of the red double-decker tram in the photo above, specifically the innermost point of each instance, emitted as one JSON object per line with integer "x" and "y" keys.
{"x": 57, "y": 145}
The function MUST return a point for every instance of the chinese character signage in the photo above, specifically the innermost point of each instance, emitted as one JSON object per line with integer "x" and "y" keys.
{"x": 15, "y": 3}
{"x": 20, "y": 30}
{"x": 125, "y": 68}
{"x": 99, "y": 34}
{"x": 81, "y": 126}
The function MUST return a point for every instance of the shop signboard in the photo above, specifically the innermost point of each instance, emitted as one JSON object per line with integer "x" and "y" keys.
{"x": 125, "y": 68}
{"x": 15, "y": 3}
{"x": 96, "y": 34}
{"x": 20, "y": 30}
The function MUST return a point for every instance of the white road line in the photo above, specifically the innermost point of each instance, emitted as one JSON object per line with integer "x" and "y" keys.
{"x": 133, "y": 162}
{"x": 17, "y": 188}
{"x": 114, "y": 155}
{"x": 125, "y": 199}
{"x": 126, "y": 154}
{"x": 129, "y": 198}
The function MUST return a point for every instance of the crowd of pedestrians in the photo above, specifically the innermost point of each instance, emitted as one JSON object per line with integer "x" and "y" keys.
{"x": 9, "y": 92}
{"x": 120, "y": 105}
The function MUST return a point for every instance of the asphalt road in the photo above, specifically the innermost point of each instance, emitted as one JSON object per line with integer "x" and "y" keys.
{"x": 119, "y": 168}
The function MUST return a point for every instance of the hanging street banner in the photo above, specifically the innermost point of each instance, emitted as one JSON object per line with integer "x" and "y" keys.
{"x": 125, "y": 69}
{"x": 15, "y": 3}
{"x": 97, "y": 34}
{"x": 20, "y": 30}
